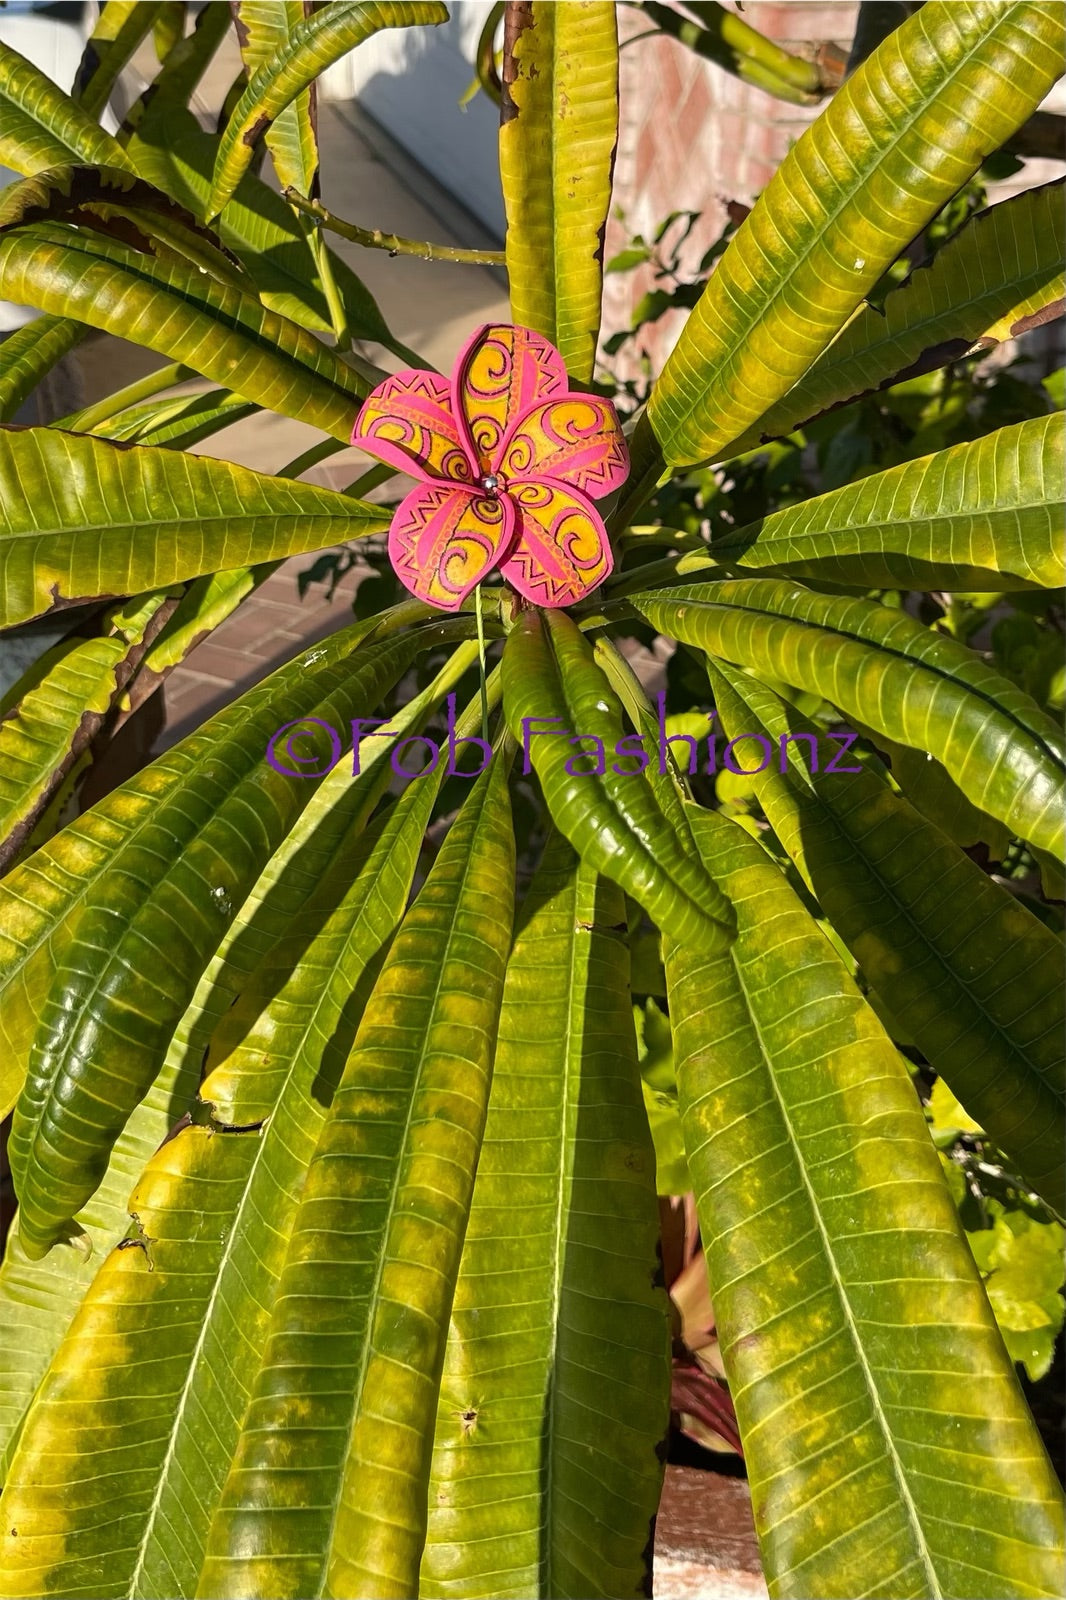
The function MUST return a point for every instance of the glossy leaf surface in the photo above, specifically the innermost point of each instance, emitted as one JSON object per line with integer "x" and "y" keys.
{"x": 85, "y": 519}
{"x": 833, "y": 1246}
{"x": 175, "y": 153}
{"x": 556, "y": 1317}
{"x": 558, "y": 130}
{"x": 62, "y": 709}
{"x": 1001, "y": 274}
{"x": 109, "y": 1012}
{"x": 858, "y": 185}
{"x": 42, "y": 1297}
{"x": 906, "y": 681}
{"x": 40, "y": 126}
{"x": 973, "y": 977}
{"x": 985, "y": 515}
{"x": 612, "y": 818}
{"x": 264, "y": 29}
{"x": 311, "y": 46}
{"x": 327, "y": 1493}
{"x": 174, "y": 308}
{"x": 29, "y": 353}
{"x": 120, "y": 27}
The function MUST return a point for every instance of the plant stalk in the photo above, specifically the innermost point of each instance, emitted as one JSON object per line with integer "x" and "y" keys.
{"x": 375, "y": 239}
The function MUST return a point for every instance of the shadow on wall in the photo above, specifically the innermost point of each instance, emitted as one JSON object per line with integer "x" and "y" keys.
{"x": 411, "y": 80}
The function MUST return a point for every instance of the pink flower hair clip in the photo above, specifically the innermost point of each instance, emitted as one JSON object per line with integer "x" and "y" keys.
{"x": 509, "y": 459}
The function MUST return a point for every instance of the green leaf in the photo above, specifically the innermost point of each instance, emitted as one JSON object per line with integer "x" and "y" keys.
{"x": 111, "y": 200}
{"x": 87, "y": 518}
{"x": 558, "y": 131}
{"x": 178, "y": 156}
{"x": 1000, "y": 274}
{"x": 612, "y": 818}
{"x": 313, "y": 45}
{"x": 173, "y": 307}
{"x": 40, "y": 126}
{"x": 555, "y": 1389}
{"x": 986, "y": 515}
{"x": 30, "y": 353}
{"x": 39, "y": 898}
{"x": 49, "y": 725}
{"x": 929, "y": 789}
{"x": 278, "y": 1054}
{"x": 728, "y": 41}
{"x": 175, "y": 887}
{"x": 909, "y": 682}
{"x": 658, "y": 1082}
{"x": 197, "y": 1299}
{"x": 178, "y": 422}
{"x": 313, "y": 851}
{"x": 888, "y": 1447}
{"x": 42, "y": 1297}
{"x": 1021, "y": 1260}
{"x": 186, "y": 62}
{"x": 972, "y": 976}
{"x": 265, "y": 29}
{"x": 120, "y": 27}
{"x": 858, "y": 185}
{"x": 327, "y": 1492}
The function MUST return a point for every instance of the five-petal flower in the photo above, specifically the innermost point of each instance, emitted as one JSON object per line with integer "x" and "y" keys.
{"x": 509, "y": 459}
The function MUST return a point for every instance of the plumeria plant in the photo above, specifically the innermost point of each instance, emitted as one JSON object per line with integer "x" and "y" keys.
{"x": 336, "y": 1263}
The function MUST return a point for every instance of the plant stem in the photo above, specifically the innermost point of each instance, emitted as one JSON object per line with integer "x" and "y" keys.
{"x": 732, "y": 43}
{"x": 91, "y": 416}
{"x": 374, "y": 239}
{"x": 311, "y": 457}
{"x": 369, "y": 480}
{"x": 481, "y": 659}
{"x": 324, "y": 267}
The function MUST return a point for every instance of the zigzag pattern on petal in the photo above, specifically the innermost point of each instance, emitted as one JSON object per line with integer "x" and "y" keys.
{"x": 444, "y": 540}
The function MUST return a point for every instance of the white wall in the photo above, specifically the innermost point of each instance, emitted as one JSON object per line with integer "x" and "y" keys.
{"x": 411, "y": 81}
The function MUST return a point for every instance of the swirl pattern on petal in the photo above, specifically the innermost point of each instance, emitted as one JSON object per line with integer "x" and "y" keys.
{"x": 444, "y": 540}
{"x": 408, "y": 422}
{"x": 560, "y": 550}
{"x": 576, "y": 440}
{"x": 501, "y": 374}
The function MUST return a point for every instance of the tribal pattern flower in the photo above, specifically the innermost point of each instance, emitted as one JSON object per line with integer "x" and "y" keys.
{"x": 509, "y": 459}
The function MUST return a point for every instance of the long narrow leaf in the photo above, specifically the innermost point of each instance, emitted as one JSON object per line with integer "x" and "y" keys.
{"x": 30, "y": 353}
{"x": 174, "y": 308}
{"x": 974, "y": 978}
{"x": 555, "y": 697}
{"x": 120, "y": 27}
{"x": 87, "y": 519}
{"x": 999, "y": 276}
{"x": 58, "y": 716}
{"x": 107, "y": 1018}
{"x": 40, "y": 126}
{"x": 172, "y": 151}
{"x": 985, "y": 515}
{"x": 556, "y": 1317}
{"x": 888, "y": 1445}
{"x": 327, "y": 1493}
{"x": 322, "y": 38}
{"x": 906, "y": 681}
{"x": 859, "y": 185}
{"x": 212, "y": 1213}
{"x": 264, "y": 29}
{"x": 558, "y": 130}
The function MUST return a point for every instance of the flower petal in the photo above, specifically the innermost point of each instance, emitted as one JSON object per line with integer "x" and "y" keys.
{"x": 444, "y": 540}
{"x": 501, "y": 373}
{"x": 576, "y": 440}
{"x": 408, "y": 422}
{"x": 560, "y": 551}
